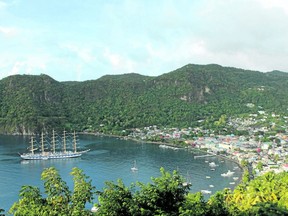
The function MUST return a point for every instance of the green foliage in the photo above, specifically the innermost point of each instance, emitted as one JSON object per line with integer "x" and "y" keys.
{"x": 194, "y": 204}
{"x": 58, "y": 200}
{"x": 58, "y": 194}
{"x": 165, "y": 195}
{"x": 260, "y": 166}
{"x": 246, "y": 176}
{"x": 83, "y": 192}
{"x": 116, "y": 199}
{"x": 269, "y": 190}
{"x": 217, "y": 204}
{"x": 266, "y": 195}
{"x": 112, "y": 103}
{"x": 266, "y": 209}
{"x": 30, "y": 202}
{"x": 244, "y": 163}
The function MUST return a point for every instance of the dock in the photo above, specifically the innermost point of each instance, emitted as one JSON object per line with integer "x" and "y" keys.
{"x": 200, "y": 156}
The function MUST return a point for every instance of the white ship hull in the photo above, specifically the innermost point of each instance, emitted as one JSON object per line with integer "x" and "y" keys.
{"x": 58, "y": 155}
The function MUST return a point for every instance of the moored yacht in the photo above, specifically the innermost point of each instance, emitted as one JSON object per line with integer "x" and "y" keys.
{"x": 228, "y": 174}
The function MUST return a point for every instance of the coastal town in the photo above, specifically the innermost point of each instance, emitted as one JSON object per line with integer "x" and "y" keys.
{"x": 264, "y": 146}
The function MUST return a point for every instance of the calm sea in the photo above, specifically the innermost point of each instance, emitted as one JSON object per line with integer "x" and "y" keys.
{"x": 108, "y": 160}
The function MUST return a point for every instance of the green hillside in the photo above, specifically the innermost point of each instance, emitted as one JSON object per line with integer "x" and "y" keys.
{"x": 112, "y": 103}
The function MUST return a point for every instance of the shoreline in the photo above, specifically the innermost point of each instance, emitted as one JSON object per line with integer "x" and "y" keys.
{"x": 172, "y": 145}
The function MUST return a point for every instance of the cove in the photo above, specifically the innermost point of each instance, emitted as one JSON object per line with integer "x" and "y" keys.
{"x": 109, "y": 159}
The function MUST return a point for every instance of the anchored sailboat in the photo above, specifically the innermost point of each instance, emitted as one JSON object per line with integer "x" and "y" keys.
{"x": 54, "y": 154}
{"x": 134, "y": 168}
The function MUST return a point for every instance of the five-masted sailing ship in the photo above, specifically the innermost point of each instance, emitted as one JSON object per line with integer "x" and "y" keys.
{"x": 52, "y": 154}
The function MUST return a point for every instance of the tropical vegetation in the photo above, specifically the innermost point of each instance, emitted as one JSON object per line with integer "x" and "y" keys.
{"x": 210, "y": 96}
{"x": 190, "y": 96}
{"x": 164, "y": 195}
{"x": 59, "y": 200}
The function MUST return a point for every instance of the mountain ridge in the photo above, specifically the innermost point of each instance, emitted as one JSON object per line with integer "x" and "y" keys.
{"x": 113, "y": 103}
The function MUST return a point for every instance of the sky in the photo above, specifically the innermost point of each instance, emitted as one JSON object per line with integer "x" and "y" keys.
{"x": 78, "y": 40}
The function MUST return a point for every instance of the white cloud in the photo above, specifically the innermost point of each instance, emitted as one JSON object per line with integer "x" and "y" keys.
{"x": 275, "y": 4}
{"x": 197, "y": 48}
{"x": 119, "y": 63}
{"x": 112, "y": 58}
{"x": 8, "y": 31}
{"x": 83, "y": 53}
{"x": 153, "y": 52}
{"x": 79, "y": 71}
{"x": 3, "y": 5}
{"x": 147, "y": 37}
{"x": 17, "y": 68}
{"x": 37, "y": 62}
{"x": 238, "y": 33}
{"x": 32, "y": 65}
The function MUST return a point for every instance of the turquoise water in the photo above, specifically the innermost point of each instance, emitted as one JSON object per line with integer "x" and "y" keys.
{"x": 108, "y": 160}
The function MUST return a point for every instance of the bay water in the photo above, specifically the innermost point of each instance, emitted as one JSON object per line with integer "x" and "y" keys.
{"x": 110, "y": 159}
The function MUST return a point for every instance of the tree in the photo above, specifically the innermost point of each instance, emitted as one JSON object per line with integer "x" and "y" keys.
{"x": 58, "y": 194}
{"x": 164, "y": 196}
{"x": 30, "y": 202}
{"x": 267, "y": 193}
{"x": 83, "y": 192}
{"x": 246, "y": 177}
{"x": 217, "y": 204}
{"x": 116, "y": 199}
{"x": 260, "y": 166}
{"x": 266, "y": 209}
{"x": 58, "y": 200}
{"x": 244, "y": 163}
{"x": 194, "y": 204}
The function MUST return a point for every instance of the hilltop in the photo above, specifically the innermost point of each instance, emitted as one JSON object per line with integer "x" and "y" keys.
{"x": 185, "y": 97}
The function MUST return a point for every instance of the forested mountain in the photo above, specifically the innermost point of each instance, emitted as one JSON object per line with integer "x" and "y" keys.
{"x": 30, "y": 104}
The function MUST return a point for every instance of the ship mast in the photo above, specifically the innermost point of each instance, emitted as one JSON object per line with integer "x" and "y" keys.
{"x": 53, "y": 142}
{"x": 32, "y": 147}
{"x": 64, "y": 142}
{"x": 42, "y": 143}
{"x": 74, "y": 140}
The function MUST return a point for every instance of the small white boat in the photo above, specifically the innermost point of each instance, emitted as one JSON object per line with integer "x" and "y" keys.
{"x": 94, "y": 209}
{"x": 211, "y": 186}
{"x": 205, "y": 191}
{"x": 235, "y": 178}
{"x": 188, "y": 181}
{"x": 212, "y": 164}
{"x": 232, "y": 183}
{"x": 134, "y": 168}
{"x": 186, "y": 184}
{"x": 208, "y": 177}
{"x": 228, "y": 174}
